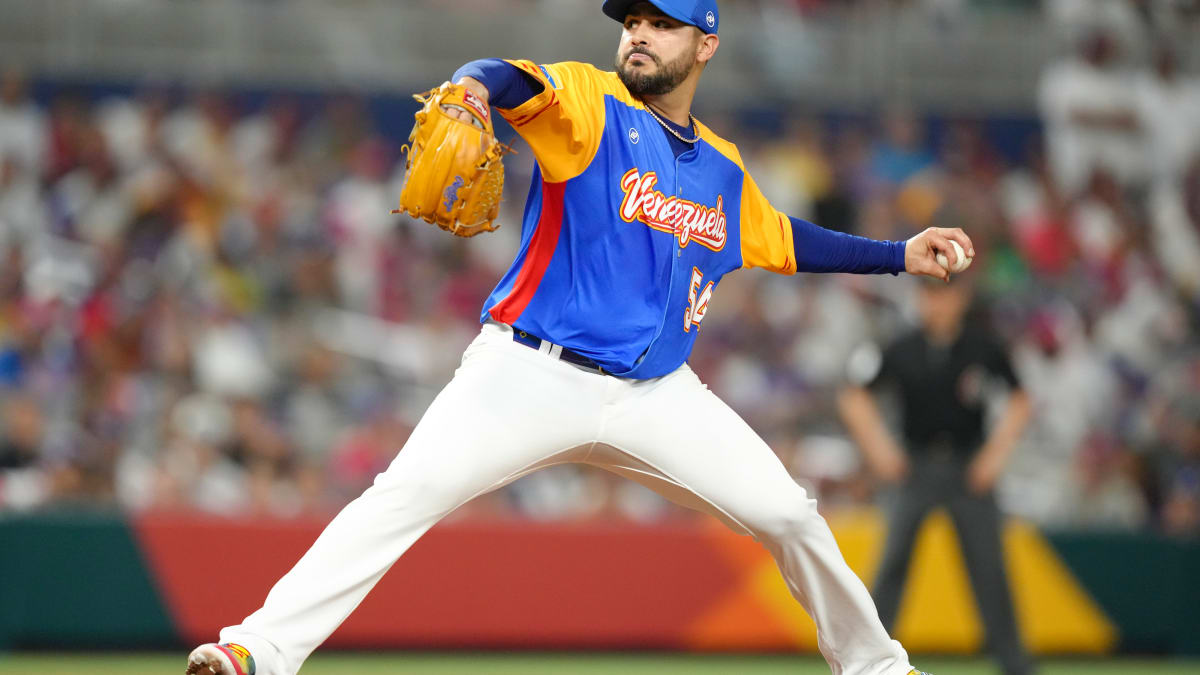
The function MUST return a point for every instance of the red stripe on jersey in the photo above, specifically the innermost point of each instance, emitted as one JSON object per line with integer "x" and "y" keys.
{"x": 788, "y": 265}
{"x": 534, "y": 116}
{"x": 537, "y": 259}
{"x": 526, "y": 119}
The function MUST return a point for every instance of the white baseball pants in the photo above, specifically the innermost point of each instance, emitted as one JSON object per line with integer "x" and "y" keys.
{"x": 510, "y": 410}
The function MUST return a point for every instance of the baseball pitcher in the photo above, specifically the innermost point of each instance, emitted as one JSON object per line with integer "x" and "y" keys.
{"x": 635, "y": 213}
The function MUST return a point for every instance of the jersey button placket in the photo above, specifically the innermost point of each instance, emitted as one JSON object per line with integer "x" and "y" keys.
{"x": 678, "y": 193}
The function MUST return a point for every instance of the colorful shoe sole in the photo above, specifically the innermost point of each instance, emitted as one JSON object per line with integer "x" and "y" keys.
{"x": 220, "y": 659}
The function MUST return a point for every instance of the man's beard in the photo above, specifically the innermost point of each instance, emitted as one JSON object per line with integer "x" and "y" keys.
{"x": 663, "y": 81}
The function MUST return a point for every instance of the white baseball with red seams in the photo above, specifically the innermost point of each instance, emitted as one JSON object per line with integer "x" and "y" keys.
{"x": 962, "y": 261}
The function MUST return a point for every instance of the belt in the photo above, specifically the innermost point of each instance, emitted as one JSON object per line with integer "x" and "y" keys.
{"x": 562, "y": 353}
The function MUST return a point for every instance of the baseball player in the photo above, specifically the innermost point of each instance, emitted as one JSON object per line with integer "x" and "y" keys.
{"x": 635, "y": 213}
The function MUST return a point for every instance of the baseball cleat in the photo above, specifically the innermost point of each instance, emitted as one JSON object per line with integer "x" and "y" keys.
{"x": 220, "y": 659}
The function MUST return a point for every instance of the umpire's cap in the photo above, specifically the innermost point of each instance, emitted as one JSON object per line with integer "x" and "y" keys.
{"x": 702, "y": 14}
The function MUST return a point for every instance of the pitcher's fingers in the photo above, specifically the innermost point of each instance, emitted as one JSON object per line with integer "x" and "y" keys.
{"x": 940, "y": 243}
{"x": 927, "y": 265}
{"x": 957, "y": 234}
{"x": 458, "y": 113}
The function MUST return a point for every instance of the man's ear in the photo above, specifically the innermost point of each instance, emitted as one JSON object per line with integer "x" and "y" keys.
{"x": 707, "y": 47}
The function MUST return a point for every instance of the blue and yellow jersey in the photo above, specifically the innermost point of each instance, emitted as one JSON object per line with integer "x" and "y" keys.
{"x": 623, "y": 242}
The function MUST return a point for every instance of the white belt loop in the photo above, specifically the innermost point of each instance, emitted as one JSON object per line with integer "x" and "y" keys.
{"x": 555, "y": 350}
{"x": 545, "y": 347}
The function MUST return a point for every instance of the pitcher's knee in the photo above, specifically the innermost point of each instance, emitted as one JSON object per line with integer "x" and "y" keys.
{"x": 402, "y": 491}
{"x": 789, "y": 518}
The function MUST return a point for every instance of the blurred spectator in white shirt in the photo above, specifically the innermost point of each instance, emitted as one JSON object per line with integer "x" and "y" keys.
{"x": 357, "y": 215}
{"x": 92, "y": 200}
{"x": 1075, "y": 18}
{"x": 194, "y": 135}
{"x": 1175, "y": 229}
{"x": 228, "y": 360}
{"x": 1063, "y": 373}
{"x": 23, "y": 208}
{"x": 130, "y": 127}
{"x": 22, "y": 124}
{"x": 1169, "y": 108}
{"x": 1091, "y": 115}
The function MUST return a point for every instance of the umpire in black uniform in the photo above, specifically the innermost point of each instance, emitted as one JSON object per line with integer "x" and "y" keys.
{"x": 943, "y": 372}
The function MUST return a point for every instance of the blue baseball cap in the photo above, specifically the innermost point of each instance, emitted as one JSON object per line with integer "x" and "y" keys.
{"x": 702, "y": 14}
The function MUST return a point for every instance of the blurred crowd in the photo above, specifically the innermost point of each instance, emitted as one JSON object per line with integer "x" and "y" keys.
{"x": 206, "y": 304}
{"x": 1089, "y": 267}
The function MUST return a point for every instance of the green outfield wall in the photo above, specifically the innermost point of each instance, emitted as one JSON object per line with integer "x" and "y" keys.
{"x": 87, "y": 579}
{"x": 1148, "y": 584}
{"x": 77, "y": 579}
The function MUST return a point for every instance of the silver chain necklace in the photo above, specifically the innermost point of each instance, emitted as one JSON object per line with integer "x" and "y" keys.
{"x": 674, "y": 133}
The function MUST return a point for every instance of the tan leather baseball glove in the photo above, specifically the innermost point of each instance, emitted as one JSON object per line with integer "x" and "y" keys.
{"x": 453, "y": 176}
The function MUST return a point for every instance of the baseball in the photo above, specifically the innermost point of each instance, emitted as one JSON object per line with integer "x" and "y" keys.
{"x": 963, "y": 261}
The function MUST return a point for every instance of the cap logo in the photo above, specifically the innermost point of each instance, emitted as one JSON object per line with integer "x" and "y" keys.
{"x": 711, "y": 19}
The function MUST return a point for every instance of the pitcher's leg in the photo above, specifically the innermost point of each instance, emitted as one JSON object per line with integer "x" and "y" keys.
{"x": 696, "y": 441}
{"x": 487, "y": 427}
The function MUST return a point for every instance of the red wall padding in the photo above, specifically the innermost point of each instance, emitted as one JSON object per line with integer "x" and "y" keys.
{"x": 465, "y": 584}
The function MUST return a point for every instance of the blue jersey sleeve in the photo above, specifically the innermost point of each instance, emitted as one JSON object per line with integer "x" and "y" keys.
{"x": 507, "y": 85}
{"x": 822, "y": 250}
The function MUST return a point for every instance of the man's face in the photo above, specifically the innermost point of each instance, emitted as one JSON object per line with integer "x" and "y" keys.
{"x": 942, "y": 305}
{"x": 656, "y": 53}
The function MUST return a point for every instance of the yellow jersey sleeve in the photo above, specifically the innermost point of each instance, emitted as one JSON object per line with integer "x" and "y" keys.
{"x": 766, "y": 232}
{"x": 564, "y": 123}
